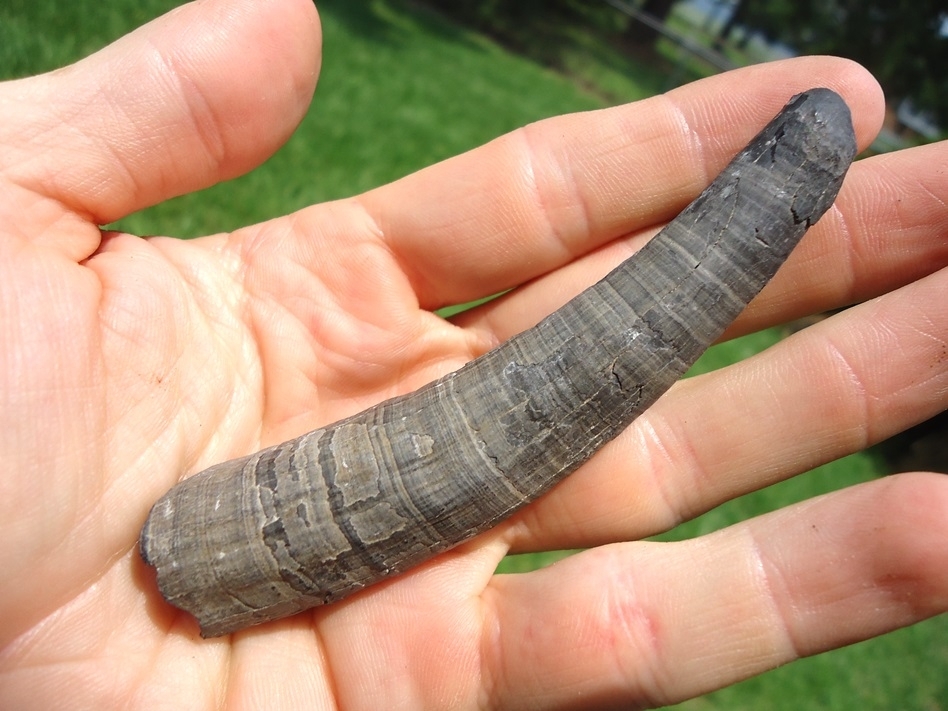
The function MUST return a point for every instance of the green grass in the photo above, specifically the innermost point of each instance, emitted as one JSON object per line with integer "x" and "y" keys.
{"x": 402, "y": 88}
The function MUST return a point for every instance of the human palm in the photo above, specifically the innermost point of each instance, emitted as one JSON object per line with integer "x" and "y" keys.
{"x": 128, "y": 363}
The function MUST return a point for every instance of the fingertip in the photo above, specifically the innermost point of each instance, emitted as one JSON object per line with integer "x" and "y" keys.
{"x": 249, "y": 66}
{"x": 759, "y": 91}
{"x": 914, "y": 567}
{"x": 244, "y": 72}
{"x": 881, "y": 562}
{"x": 199, "y": 95}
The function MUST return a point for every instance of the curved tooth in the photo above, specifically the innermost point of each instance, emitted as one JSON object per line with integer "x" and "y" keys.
{"x": 319, "y": 517}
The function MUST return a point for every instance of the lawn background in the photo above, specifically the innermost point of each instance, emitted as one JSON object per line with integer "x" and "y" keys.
{"x": 402, "y": 88}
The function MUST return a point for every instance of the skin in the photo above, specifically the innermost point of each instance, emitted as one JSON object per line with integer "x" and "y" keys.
{"x": 129, "y": 363}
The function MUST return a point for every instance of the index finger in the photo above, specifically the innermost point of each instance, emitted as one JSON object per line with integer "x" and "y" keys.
{"x": 537, "y": 198}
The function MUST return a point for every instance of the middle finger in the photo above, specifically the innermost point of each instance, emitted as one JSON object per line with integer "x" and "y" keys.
{"x": 828, "y": 391}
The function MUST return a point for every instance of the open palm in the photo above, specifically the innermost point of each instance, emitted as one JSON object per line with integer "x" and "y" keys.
{"x": 128, "y": 363}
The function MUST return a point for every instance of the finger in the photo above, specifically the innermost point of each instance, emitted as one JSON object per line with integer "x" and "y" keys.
{"x": 828, "y": 391}
{"x": 197, "y": 96}
{"x": 537, "y": 198}
{"x": 886, "y": 229}
{"x": 652, "y": 624}
{"x": 428, "y": 621}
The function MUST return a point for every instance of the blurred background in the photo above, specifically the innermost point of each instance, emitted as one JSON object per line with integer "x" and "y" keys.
{"x": 406, "y": 83}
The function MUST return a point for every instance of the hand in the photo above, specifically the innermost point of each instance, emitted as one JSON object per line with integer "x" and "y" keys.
{"x": 127, "y": 363}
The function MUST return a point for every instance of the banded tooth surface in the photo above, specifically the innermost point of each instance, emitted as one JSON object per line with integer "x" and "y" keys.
{"x": 312, "y": 520}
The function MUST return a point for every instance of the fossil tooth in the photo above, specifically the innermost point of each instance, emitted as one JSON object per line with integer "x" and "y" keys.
{"x": 322, "y": 516}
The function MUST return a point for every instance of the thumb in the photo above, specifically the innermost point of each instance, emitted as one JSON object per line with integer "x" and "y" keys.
{"x": 199, "y": 95}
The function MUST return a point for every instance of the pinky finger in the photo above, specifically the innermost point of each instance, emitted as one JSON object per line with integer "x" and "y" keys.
{"x": 648, "y": 624}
